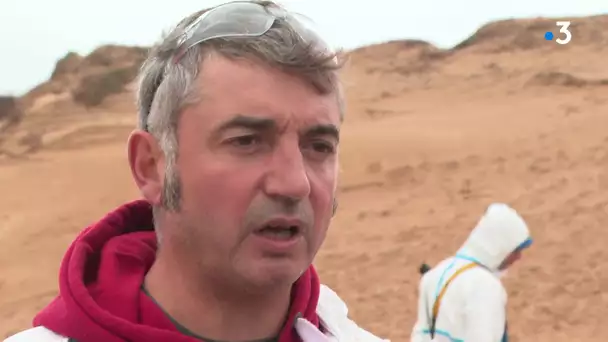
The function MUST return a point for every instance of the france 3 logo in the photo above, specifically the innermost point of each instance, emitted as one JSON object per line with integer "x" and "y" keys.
{"x": 564, "y": 35}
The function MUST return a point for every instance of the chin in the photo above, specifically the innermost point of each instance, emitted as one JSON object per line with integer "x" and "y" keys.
{"x": 273, "y": 273}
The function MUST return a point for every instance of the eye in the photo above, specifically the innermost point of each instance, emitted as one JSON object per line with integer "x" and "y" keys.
{"x": 245, "y": 144}
{"x": 323, "y": 147}
{"x": 320, "y": 148}
{"x": 244, "y": 141}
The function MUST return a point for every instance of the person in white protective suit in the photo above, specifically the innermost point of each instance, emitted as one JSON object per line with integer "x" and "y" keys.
{"x": 462, "y": 298}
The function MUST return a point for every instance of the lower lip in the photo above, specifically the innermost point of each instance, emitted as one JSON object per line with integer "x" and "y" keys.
{"x": 277, "y": 245}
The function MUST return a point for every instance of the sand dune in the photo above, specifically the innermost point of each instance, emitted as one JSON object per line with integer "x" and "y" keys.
{"x": 432, "y": 137}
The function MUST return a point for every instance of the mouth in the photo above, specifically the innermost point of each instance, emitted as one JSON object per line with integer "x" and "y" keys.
{"x": 283, "y": 230}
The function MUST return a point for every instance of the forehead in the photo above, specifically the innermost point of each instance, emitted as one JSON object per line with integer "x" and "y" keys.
{"x": 242, "y": 87}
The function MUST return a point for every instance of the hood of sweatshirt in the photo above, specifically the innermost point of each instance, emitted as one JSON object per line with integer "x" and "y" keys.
{"x": 100, "y": 286}
{"x": 499, "y": 232}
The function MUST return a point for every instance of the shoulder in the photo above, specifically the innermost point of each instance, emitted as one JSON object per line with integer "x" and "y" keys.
{"x": 483, "y": 283}
{"x": 485, "y": 277}
{"x": 37, "y": 334}
{"x": 333, "y": 313}
{"x": 436, "y": 272}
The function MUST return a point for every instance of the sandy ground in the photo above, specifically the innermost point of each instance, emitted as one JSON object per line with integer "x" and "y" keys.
{"x": 424, "y": 152}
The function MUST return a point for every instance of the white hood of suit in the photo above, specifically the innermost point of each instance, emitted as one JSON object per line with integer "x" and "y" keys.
{"x": 499, "y": 232}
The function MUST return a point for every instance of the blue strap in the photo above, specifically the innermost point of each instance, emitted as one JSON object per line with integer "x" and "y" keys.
{"x": 466, "y": 257}
{"x": 442, "y": 333}
{"x": 442, "y": 279}
{"x": 505, "y": 336}
{"x": 445, "y": 272}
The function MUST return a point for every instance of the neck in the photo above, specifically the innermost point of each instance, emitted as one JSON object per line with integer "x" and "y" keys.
{"x": 211, "y": 309}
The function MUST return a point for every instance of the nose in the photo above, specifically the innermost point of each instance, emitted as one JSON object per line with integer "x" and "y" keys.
{"x": 287, "y": 177}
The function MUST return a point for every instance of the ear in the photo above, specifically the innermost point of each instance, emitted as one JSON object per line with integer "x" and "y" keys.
{"x": 147, "y": 164}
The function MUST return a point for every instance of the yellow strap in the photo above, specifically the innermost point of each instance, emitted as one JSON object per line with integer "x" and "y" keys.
{"x": 440, "y": 296}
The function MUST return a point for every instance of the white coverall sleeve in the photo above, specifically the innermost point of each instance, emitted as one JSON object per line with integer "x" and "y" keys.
{"x": 485, "y": 312}
{"x": 422, "y": 322}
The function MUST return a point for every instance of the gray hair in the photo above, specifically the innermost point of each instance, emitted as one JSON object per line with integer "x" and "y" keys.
{"x": 165, "y": 87}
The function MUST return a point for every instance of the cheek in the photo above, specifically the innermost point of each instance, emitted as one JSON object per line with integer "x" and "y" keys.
{"x": 323, "y": 189}
{"x": 220, "y": 192}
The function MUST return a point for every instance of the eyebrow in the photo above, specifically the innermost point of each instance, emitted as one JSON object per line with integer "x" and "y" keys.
{"x": 323, "y": 129}
{"x": 265, "y": 124}
{"x": 250, "y": 122}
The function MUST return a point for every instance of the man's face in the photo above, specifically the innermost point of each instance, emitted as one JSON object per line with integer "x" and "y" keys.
{"x": 258, "y": 167}
{"x": 510, "y": 260}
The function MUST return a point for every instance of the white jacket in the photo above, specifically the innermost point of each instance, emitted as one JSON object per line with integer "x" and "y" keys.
{"x": 473, "y": 308}
{"x": 332, "y": 312}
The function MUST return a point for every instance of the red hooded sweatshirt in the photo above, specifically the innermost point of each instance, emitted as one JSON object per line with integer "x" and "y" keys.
{"x": 100, "y": 280}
